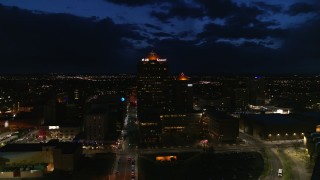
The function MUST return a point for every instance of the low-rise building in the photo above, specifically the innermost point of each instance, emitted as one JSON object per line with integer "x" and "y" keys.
{"x": 222, "y": 126}
{"x": 187, "y": 123}
{"x": 21, "y": 160}
{"x": 277, "y": 126}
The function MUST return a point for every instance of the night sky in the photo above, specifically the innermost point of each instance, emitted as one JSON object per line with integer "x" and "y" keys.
{"x": 196, "y": 36}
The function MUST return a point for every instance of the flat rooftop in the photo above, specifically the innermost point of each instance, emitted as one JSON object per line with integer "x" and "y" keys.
{"x": 279, "y": 119}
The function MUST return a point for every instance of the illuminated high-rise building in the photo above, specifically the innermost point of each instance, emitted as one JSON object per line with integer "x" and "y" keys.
{"x": 241, "y": 98}
{"x": 152, "y": 83}
{"x": 182, "y": 99}
{"x": 256, "y": 91}
{"x": 152, "y": 95}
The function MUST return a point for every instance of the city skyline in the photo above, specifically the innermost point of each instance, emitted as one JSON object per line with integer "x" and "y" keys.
{"x": 197, "y": 37}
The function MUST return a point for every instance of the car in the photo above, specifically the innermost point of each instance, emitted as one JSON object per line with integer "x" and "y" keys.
{"x": 280, "y": 172}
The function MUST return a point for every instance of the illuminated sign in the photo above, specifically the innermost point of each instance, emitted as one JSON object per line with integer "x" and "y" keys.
{"x": 53, "y": 127}
{"x": 159, "y": 60}
{"x": 189, "y": 85}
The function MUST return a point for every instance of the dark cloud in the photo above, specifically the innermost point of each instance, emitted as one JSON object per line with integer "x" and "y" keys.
{"x": 179, "y": 10}
{"x": 162, "y": 34}
{"x": 132, "y": 2}
{"x": 303, "y": 42}
{"x": 185, "y": 34}
{"x": 299, "y": 54}
{"x": 225, "y": 8}
{"x": 60, "y": 42}
{"x": 269, "y": 7}
{"x": 300, "y": 8}
{"x": 183, "y": 11}
{"x": 241, "y": 29}
{"x": 218, "y": 8}
{"x": 64, "y": 43}
{"x": 211, "y": 58}
{"x": 153, "y": 26}
{"x": 161, "y": 16}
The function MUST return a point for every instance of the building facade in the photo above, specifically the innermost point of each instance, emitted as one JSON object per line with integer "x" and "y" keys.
{"x": 256, "y": 88}
{"x": 152, "y": 96}
{"x": 152, "y": 83}
{"x": 182, "y": 98}
{"x": 221, "y": 126}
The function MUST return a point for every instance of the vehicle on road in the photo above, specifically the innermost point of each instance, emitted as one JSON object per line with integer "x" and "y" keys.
{"x": 280, "y": 172}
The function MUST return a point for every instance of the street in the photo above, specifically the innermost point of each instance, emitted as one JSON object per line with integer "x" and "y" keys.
{"x": 294, "y": 156}
{"x": 126, "y": 167}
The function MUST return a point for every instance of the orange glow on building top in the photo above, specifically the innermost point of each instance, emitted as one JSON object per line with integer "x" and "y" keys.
{"x": 183, "y": 77}
{"x": 152, "y": 56}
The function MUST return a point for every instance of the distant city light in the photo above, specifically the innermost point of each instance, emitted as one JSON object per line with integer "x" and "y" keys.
{"x": 123, "y": 99}
{"x": 6, "y": 124}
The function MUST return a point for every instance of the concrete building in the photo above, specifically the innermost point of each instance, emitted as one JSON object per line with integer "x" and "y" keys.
{"x": 152, "y": 96}
{"x": 152, "y": 83}
{"x": 221, "y": 126}
{"x": 63, "y": 133}
{"x": 241, "y": 98}
{"x": 277, "y": 126}
{"x": 96, "y": 125}
{"x": 104, "y": 120}
{"x": 23, "y": 160}
{"x": 182, "y": 98}
{"x": 256, "y": 88}
{"x": 187, "y": 123}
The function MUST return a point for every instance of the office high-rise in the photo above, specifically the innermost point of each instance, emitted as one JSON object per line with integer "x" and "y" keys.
{"x": 152, "y": 83}
{"x": 152, "y": 95}
{"x": 182, "y": 98}
{"x": 256, "y": 91}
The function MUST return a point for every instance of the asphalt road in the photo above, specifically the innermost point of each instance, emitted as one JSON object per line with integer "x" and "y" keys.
{"x": 274, "y": 159}
{"x": 298, "y": 164}
{"x": 125, "y": 169}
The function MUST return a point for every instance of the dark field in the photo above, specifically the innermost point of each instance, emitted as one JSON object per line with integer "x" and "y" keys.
{"x": 237, "y": 165}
